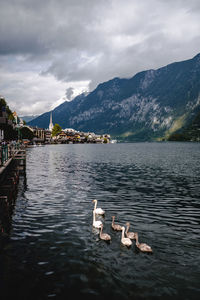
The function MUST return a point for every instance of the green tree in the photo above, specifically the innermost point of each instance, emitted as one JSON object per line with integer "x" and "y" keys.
{"x": 3, "y": 105}
{"x": 56, "y": 129}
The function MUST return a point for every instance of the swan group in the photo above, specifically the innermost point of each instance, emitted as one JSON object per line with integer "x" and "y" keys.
{"x": 126, "y": 236}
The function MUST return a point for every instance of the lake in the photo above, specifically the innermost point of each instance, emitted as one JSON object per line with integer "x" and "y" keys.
{"x": 52, "y": 250}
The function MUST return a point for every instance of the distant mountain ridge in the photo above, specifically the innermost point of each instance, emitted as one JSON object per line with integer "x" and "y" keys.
{"x": 151, "y": 105}
{"x": 29, "y": 118}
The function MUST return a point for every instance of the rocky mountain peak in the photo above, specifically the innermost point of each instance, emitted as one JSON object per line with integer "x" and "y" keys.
{"x": 149, "y": 105}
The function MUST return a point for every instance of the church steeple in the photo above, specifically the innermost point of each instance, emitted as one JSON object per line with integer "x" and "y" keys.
{"x": 50, "y": 123}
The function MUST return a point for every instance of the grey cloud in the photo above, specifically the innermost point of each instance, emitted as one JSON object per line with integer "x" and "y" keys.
{"x": 69, "y": 93}
{"x": 92, "y": 40}
{"x": 32, "y": 27}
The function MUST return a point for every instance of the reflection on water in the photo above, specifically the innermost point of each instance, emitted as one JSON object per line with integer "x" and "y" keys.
{"x": 53, "y": 249}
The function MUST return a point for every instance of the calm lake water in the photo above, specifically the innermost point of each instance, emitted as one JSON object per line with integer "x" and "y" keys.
{"x": 52, "y": 249}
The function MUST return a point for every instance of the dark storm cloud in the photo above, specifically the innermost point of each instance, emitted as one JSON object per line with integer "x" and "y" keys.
{"x": 92, "y": 41}
{"x": 45, "y": 26}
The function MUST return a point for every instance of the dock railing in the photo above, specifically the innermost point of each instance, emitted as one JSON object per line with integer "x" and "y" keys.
{"x": 9, "y": 151}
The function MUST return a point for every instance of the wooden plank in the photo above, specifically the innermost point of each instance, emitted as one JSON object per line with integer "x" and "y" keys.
{"x": 2, "y": 168}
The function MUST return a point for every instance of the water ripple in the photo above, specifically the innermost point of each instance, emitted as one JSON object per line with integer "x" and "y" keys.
{"x": 153, "y": 186}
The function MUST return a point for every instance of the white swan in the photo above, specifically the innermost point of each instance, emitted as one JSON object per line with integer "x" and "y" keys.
{"x": 104, "y": 236}
{"x": 98, "y": 211}
{"x": 125, "y": 241}
{"x": 96, "y": 224}
{"x": 130, "y": 235}
{"x": 142, "y": 246}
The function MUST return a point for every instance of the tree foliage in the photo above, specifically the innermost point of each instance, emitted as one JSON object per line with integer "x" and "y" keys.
{"x": 4, "y": 105}
{"x": 56, "y": 129}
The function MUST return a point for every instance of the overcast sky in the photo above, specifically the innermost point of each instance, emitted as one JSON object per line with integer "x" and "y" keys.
{"x": 52, "y": 50}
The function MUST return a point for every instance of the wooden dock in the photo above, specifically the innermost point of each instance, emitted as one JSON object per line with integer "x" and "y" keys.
{"x": 20, "y": 157}
{"x": 10, "y": 170}
{"x": 10, "y": 154}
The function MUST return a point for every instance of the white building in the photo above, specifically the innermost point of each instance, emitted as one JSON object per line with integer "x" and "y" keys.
{"x": 51, "y": 123}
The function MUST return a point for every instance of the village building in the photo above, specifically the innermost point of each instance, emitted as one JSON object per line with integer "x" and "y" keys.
{"x": 39, "y": 134}
{"x": 17, "y": 120}
{"x": 47, "y": 136}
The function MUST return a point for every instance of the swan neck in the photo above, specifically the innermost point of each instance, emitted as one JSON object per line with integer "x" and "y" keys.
{"x": 123, "y": 233}
{"x": 93, "y": 216}
{"x": 136, "y": 240}
{"x": 101, "y": 231}
{"x": 95, "y": 204}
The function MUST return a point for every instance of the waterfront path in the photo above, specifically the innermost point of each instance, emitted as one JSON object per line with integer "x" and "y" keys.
{"x": 11, "y": 152}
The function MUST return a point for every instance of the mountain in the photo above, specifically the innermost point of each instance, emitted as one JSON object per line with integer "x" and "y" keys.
{"x": 29, "y": 118}
{"x": 151, "y": 105}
